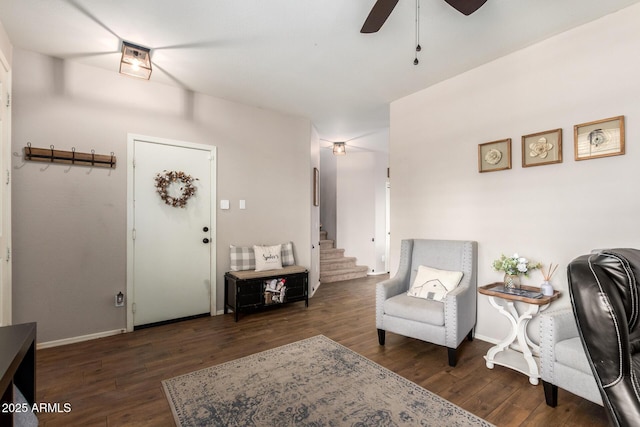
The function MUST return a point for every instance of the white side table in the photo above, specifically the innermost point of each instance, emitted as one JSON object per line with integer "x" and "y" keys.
{"x": 502, "y": 353}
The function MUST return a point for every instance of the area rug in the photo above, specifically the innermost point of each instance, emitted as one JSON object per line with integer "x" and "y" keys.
{"x": 313, "y": 382}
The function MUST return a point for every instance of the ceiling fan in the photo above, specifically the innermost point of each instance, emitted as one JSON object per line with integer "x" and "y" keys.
{"x": 383, "y": 8}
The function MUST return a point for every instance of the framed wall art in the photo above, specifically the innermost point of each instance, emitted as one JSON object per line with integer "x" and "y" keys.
{"x": 494, "y": 156}
{"x": 542, "y": 148}
{"x": 602, "y": 138}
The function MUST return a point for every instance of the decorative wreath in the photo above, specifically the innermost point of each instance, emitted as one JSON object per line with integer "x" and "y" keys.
{"x": 163, "y": 180}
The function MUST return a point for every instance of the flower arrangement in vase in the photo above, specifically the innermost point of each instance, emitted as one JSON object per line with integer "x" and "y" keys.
{"x": 514, "y": 267}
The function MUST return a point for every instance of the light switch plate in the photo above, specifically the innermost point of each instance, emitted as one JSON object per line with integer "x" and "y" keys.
{"x": 243, "y": 204}
{"x": 224, "y": 204}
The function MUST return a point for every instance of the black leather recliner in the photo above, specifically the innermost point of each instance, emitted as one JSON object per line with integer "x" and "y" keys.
{"x": 606, "y": 302}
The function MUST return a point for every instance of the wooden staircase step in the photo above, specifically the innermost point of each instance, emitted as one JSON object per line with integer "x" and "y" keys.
{"x": 323, "y": 235}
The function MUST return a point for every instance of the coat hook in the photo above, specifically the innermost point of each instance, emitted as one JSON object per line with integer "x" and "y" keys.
{"x": 73, "y": 155}
{"x": 93, "y": 157}
{"x": 51, "y": 146}
{"x": 29, "y": 152}
{"x": 111, "y": 162}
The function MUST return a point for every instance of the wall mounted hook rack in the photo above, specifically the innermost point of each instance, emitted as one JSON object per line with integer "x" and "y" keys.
{"x": 72, "y": 157}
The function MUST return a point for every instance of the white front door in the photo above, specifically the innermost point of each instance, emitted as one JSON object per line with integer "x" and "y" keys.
{"x": 172, "y": 247}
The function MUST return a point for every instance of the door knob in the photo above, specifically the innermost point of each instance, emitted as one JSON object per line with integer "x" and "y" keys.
{"x": 205, "y": 240}
{"x": 205, "y": 229}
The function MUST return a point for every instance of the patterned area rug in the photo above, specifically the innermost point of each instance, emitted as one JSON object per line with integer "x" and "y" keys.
{"x": 313, "y": 382}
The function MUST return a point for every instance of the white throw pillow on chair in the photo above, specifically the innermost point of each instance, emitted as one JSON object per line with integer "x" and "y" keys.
{"x": 431, "y": 283}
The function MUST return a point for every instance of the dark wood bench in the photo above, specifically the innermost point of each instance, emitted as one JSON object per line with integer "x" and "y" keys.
{"x": 255, "y": 290}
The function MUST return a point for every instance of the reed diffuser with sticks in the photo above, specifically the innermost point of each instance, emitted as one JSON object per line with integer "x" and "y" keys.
{"x": 546, "y": 288}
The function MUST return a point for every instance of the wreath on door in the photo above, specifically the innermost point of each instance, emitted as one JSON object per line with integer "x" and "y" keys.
{"x": 166, "y": 178}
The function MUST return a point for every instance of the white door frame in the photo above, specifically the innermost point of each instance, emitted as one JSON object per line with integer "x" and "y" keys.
{"x": 5, "y": 181}
{"x": 387, "y": 225}
{"x": 131, "y": 138}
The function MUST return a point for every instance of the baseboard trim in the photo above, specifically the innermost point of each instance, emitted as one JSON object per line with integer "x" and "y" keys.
{"x": 377, "y": 273}
{"x": 80, "y": 338}
{"x": 486, "y": 339}
{"x": 104, "y": 334}
{"x": 314, "y": 289}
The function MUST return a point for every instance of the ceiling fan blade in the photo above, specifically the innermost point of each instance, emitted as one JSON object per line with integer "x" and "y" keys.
{"x": 378, "y": 15}
{"x": 466, "y": 6}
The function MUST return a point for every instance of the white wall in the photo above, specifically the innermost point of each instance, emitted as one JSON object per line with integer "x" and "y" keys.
{"x": 69, "y": 223}
{"x": 360, "y": 207}
{"x": 550, "y": 213}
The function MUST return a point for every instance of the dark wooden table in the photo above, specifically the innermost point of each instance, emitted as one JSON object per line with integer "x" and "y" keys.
{"x": 17, "y": 365}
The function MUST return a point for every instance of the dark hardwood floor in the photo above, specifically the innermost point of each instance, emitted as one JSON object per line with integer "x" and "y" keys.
{"x": 116, "y": 380}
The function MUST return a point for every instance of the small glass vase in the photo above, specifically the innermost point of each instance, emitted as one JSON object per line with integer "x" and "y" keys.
{"x": 546, "y": 289}
{"x": 511, "y": 282}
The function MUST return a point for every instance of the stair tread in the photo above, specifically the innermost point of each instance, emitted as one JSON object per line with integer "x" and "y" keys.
{"x": 342, "y": 259}
{"x": 331, "y": 253}
{"x": 344, "y": 276}
{"x": 335, "y": 267}
{"x": 357, "y": 268}
{"x": 327, "y": 244}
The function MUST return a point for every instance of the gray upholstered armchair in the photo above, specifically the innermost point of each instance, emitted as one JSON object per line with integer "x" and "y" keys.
{"x": 563, "y": 362}
{"x": 445, "y": 322}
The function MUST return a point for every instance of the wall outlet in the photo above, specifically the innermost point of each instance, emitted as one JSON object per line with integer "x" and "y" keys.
{"x": 119, "y": 299}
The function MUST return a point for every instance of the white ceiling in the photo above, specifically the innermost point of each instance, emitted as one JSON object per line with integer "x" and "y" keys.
{"x": 304, "y": 57}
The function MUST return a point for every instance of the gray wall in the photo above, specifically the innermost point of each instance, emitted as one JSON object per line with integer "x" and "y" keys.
{"x": 5, "y": 45}
{"x": 69, "y": 223}
{"x": 328, "y": 176}
{"x": 314, "y": 272}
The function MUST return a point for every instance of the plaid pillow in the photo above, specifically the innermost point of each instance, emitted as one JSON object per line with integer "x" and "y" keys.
{"x": 287, "y": 254}
{"x": 242, "y": 258}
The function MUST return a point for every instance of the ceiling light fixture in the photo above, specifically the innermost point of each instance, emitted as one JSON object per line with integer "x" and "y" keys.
{"x": 339, "y": 149}
{"x": 136, "y": 61}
